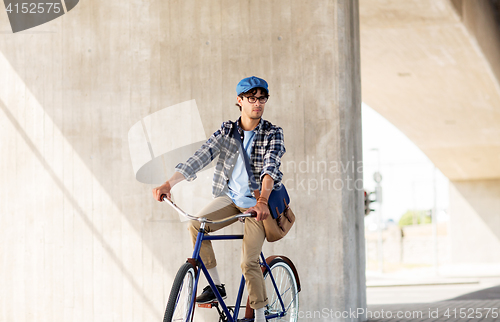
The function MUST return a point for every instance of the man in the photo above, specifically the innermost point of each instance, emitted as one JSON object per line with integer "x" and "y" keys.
{"x": 263, "y": 143}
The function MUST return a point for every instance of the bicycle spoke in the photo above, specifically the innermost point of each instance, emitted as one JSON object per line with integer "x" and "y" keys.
{"x": 281, "y": 280}
{"x": 284, "y": 288}
{"x": 179, "y": 295}
{"x": 291, "y": 302}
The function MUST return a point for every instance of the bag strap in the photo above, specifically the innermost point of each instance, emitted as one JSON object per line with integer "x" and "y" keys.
{"x": 253, "y": 183}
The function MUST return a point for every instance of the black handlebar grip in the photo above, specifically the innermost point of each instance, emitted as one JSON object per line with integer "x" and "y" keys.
{"x": 253, "y": 212}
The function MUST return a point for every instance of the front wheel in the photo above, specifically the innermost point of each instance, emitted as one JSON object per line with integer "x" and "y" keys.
{"x": 286, "y": 285}
{"x": 180, "y": 296}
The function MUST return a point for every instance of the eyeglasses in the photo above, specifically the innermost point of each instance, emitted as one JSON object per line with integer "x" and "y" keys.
{"x": 253, "y": 99}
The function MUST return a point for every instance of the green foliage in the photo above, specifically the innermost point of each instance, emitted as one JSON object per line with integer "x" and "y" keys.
{"x": 416, "y": 217}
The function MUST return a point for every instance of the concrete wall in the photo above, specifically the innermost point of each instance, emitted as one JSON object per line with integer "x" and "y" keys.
{"x": 474, "y": 204}
{"x": 432, "y": 68}
{"x": 81, "y": 239}
{"x": 432, "y": 71}
{"x": 475, "y": 224}
{"x": 481, "y": 19}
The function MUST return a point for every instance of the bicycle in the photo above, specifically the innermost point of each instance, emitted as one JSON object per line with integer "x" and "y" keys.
{"x": 280, "y": 276}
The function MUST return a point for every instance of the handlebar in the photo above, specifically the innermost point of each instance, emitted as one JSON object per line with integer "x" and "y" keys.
{"x": 206, "y": 220}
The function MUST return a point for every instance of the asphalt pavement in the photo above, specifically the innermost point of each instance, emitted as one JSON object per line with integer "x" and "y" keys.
{"x": 450, "y": 293}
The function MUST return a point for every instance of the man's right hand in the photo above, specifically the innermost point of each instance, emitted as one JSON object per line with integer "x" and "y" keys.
{"x": 164, "y": 189}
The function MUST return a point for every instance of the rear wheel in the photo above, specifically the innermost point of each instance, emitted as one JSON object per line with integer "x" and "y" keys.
{"x": 286, "y": 285}
{"x": 180, "y": 295}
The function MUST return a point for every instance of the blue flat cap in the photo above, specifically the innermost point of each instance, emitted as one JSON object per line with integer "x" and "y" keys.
{"x": 249, "y": 83}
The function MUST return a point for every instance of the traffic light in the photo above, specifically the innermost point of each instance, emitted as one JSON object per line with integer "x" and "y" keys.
{"x": 368, "y": 201}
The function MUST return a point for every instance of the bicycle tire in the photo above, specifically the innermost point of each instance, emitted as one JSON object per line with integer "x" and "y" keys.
{"x": 180, "y": 295}
{"x": 287, "y": 287}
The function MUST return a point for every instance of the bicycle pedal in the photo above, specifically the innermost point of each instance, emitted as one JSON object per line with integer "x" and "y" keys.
{"x": 207, "y": 305}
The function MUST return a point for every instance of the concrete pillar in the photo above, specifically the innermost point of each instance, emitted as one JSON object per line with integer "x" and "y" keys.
{"x": 475, "y": 221}
{"x": 81, "y": 239}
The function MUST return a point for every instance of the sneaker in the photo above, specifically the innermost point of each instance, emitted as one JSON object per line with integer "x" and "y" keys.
{"x": 208, "y": 295}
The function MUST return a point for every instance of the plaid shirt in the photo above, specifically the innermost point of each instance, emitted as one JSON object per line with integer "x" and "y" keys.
{"x": 267, "y": 149}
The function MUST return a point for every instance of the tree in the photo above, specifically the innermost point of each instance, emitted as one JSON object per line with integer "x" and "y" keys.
{"x": 415, "y": 217}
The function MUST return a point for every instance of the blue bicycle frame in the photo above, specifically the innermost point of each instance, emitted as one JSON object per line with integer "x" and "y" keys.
{"x": 196, "y": 256}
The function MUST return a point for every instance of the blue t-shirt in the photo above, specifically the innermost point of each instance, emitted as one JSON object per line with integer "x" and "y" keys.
{"x": 238, "y": 188}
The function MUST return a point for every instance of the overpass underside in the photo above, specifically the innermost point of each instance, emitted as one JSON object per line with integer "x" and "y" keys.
{"x": 432, "y": 68}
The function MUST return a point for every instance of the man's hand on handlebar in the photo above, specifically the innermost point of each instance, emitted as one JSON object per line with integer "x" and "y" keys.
{"x": 164, "y": 189}
{"x": 262, "y": 211}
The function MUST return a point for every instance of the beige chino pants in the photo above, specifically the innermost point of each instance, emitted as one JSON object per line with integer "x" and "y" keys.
{"x": 253, "y": 239}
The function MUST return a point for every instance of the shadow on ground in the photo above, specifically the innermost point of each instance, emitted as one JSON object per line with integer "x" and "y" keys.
{"x": 482, "y": 305}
